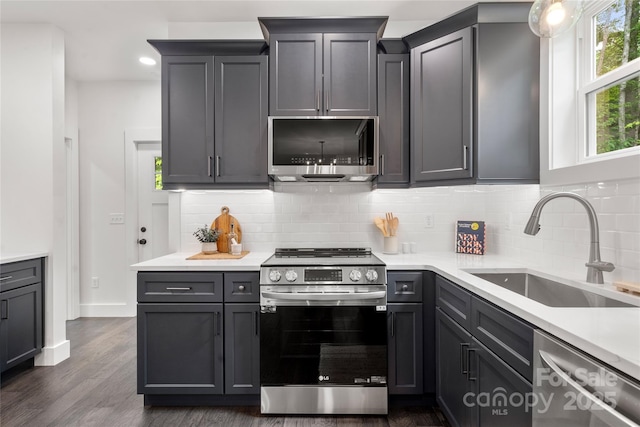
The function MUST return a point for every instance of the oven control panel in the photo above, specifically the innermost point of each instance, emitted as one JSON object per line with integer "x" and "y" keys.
{"x": 333, "y": 275}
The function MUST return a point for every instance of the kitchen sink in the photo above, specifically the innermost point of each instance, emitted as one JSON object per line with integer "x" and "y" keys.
{"x": 547, "y": 291}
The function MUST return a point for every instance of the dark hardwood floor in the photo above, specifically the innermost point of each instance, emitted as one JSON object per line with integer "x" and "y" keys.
{"x": 96, "y": 386}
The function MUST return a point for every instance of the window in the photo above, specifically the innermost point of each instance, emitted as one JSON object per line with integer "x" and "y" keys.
{"x": 609, "y": 91}
{"x": 158, "y": 172}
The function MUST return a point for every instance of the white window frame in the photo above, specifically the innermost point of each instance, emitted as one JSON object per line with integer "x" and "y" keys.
{"x": 590, "y": 84}
{"x": 565, "y": 79}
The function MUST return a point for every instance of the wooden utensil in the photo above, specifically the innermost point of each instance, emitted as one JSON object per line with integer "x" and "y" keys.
{"x": 223, "y": 223}
{"x": 379, "y": 222}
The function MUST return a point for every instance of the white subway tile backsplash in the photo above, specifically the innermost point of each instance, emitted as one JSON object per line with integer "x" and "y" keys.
{"x": 342, "y": 215}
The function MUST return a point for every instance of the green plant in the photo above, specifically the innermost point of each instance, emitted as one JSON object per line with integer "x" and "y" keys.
{"x": 206, "y": 234}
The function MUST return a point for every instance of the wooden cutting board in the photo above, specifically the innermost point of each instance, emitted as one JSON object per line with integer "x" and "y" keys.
{"x": 223, "y": 223}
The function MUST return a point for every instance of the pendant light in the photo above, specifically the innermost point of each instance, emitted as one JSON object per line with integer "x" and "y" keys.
{"x": 550, "y": 18}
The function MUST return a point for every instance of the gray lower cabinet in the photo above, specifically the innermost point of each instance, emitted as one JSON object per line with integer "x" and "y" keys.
{"x": 214, "y": 121}
{"x": 483, "y": 365}
{"x": 405, "y": 348}
{"x": 180, "y": 349}
{"x": 410, "y": 368}
{"x": 198, "y": 334}
{"x": 21, "y": 328}
{"x": 475, "y": 90}
{"x": 393, "y": 110}
{"x": 316, "y": 74}
{"x": 242, "y": 349}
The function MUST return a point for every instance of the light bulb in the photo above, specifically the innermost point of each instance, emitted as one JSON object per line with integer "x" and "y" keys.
{"x": 555, "y": 14}
{"x": 550, "y": 18}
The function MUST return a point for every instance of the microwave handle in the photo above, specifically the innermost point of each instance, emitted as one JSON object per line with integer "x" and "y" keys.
{"x": 381, "y": 164}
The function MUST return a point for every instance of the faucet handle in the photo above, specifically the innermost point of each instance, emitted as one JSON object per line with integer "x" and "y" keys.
{"x": 601, "y": 265}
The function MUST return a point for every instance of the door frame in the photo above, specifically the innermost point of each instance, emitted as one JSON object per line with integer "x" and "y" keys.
{"x": 132, "y": 138}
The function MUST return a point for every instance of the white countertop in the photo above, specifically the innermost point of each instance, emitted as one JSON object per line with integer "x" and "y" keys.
{"x": 178, "y": 262}
{"x": 7, "y": 257}
{"x": 609, "y": 334}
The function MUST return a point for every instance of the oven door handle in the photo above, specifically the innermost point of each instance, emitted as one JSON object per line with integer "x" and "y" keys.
{"x": 323, "y": 296}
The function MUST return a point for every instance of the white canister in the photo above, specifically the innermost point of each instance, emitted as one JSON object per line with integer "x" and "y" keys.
{"x": 390, "y": 245}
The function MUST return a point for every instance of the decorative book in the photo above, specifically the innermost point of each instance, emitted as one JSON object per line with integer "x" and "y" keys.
{"x": 470, "y": 237}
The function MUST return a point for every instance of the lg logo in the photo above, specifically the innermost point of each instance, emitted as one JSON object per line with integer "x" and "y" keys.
{"x": 323, "y": 378}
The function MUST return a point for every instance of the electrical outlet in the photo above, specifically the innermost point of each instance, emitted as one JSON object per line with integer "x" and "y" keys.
{"x": 116, "y": 218}
{"x": 95, "y": 282}
{"x": 428, "y": 221}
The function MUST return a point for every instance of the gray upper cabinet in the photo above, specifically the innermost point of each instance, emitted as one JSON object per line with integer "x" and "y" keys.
{"x": 295, "y": 74}
{"x": 442, "y": 107}
{"x": 187, "y": 119}
{"x": 475, "y": 88}
{"x": 241, "y": 93}
{"x": 214, "y": 113}
{"x": 322, "y": 67}
{"x": 323, "y": 75}
{"x": 393, "y": 110}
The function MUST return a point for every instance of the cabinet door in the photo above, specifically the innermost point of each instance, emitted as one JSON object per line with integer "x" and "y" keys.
{"x": 187, "y": 119}
{"x": 500, "y": 393}
{"x": 350, "y": 80}
{"x": 242, "y": 349}
{"x": 442, "y": 116}
{"x": 180, "y": 349}
{"x": 393, "y": 109}
{"x": 295, "y": 73}
{"x": 20, "y": 325}
{"x": 241, "y": 93}
{"x": 405, "y": 348}
{"x": 452, "y": 352}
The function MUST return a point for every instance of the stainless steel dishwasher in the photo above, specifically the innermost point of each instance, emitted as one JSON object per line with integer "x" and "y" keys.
{"x": 573, "y": 389}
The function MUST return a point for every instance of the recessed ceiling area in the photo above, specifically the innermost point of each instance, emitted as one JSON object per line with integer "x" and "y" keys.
{"x": 104, "y": 39}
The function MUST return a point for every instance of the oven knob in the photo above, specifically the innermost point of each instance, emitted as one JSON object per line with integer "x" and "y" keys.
{"x": 274, "y": 275}
{"x": 291, "y": 275}
{"x": 355, "y": 275}
{"x": 371, "y": 275}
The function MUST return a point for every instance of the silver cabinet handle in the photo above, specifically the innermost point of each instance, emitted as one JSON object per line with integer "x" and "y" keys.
{"x": 5, "y": 278}
{"x": 464, "y": 157}
{"x": 597, "y": 407}
{"x": 323, "y": 297}
{"x": 464, "y": 369}
{"x": 326, "y": 105}
{"x": 469, "y": 377}
{"x": 178, "y": 289}
{"x": 318, "y": 101}
{"x": 209, "y": 166}
{"x": 393, "y": 324}
{"x": 217, "y": 165}
{"x": 241, "y": 288}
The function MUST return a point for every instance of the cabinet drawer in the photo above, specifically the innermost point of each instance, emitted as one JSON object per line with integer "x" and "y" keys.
{"x": 179, "y": 287}
{"x": 507, "y": 336}
{"x": 22, "y": 273}
{"x": 454, "y": 301}
{"x": 242, "y": 287}
{"x": 404, "y": 287}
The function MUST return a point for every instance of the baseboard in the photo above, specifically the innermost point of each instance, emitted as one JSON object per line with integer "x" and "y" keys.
{"x": 107, "y": 310}
{"x": 51, "y": 356}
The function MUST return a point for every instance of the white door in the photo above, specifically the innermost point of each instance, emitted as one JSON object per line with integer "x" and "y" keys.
{"x": 153, "y": 205}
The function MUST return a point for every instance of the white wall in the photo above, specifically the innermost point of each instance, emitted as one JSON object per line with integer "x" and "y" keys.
{"x": 33, "y": 164}
{"x": 105, "y": 110}
{"x": 322, "y": 216}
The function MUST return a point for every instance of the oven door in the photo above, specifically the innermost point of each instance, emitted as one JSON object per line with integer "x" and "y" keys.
{"x": 323, "y": 359}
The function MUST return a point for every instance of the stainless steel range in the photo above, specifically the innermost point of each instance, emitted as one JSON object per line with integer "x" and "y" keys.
{"x": 323, "y": 340}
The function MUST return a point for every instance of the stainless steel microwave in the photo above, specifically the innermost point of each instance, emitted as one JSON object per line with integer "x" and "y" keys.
{"x": 323, "y": 149}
